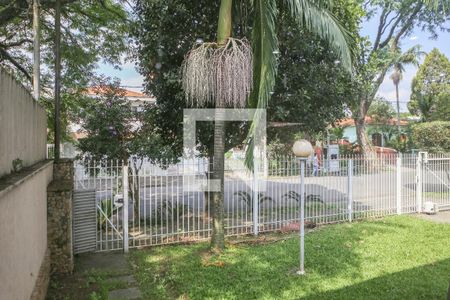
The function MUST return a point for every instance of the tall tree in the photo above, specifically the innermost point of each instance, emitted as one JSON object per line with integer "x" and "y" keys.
{"x": 36, "y": 50}
{"x": 211, "y": 69}
{"x": 311, "y": 88}
{"x": 399, "y": 61}
{"x": 91, "y": 32}
{"x": 396, "y": 20}
{"x": 57, "y": 112}
{"x": 430, "y": 88}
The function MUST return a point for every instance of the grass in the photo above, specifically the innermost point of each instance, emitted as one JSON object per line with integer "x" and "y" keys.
{"x": 436, "y": 195}
{"x": 393, "y": 258}
{"x": 90, "y": 285}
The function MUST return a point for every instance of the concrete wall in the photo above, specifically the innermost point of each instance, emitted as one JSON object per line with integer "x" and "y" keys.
{"x": 23, "y": 125}
{"x": 23, "y": 233}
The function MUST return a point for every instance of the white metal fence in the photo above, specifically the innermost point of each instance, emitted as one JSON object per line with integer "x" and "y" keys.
{"x": 164, "y": 208}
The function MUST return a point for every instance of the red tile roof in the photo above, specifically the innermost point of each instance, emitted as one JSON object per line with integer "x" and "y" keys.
{"x": 351, "y": 122}
{"x": 95, "y": 90}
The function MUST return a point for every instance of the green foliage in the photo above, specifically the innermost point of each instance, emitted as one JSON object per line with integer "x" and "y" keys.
{"x": 441, "y": 108}
{"x": 166, "y": 212}
{"x": 17, "y": 165}
{"x": 337, "y": 133}
{"x": 432, "y": 136}
{"x": 430, "y": 97}
{"x": 247, "y": 198}
{"x": 314, "y": 100}
{"x": 107, "y": 209}
{"x": 313, "y": 17}
{"x": 116, "y": 131}
{"x": 92, "y": 32}
{"x": 293, "y": 195}
{"x": 377, "y": 259}
{"x": 108, "y": 123}
{"x": 396, "y": 20}
{"x": 381, "y": 111}
{"x": 165, "y": 32}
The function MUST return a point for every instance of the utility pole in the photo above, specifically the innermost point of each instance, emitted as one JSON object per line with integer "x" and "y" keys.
{"x": 57, "y": 78}
{"x": 36, "y": 51}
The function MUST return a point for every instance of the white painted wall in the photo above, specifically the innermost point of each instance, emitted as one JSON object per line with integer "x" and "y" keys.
{"x": 23, "y": 125}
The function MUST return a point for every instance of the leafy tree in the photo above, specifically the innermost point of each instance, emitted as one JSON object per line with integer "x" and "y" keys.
{"x": 430, "y": 97}
{"x": 396, "y": 20}
{"x": 442, "y": 105}
{"x": 312, "y": 89}
{"x": 92, "y": 31}
{"x": 381, "y": 111}
{"x": 315, "y": 18}
{"x": 432, "y": 136}
{"x": 117, "y": 132}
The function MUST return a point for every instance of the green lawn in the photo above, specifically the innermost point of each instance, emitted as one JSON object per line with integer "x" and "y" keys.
{"x": 393, "y": 258}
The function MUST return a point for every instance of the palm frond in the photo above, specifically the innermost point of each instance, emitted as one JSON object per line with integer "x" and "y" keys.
{"x": 265, "y": 47}
{"x": 316, "y": 17}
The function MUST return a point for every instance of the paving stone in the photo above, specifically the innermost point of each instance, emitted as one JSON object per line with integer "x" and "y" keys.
{"x": 129, "y": 279}
{"x": 125, "y": 294}
{"x": 108, "y": 261}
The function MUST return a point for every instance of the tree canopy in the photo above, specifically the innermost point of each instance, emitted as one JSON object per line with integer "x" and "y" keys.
{"x": 92, "y": 32}
{"x": 311, "y": 89}
{"x": 396, "y": 20}
{"x": 430, "y": 88}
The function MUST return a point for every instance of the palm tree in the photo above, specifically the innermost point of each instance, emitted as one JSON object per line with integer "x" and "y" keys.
{"x": 232, "y": 73}
{"x": 399, "y": 61}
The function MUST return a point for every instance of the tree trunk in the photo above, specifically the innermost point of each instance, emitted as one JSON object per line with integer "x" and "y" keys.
{"x": 360, "y": 123}
{"x": 207, "y": 194}
{"x": 57, "y": 79}
{"x": 36, "y": 51}
{"x": 217, "y": 199}
{"x": 224, "y": 26}
{"x": 398, "y": 109}
{"x": 133, "y": 181}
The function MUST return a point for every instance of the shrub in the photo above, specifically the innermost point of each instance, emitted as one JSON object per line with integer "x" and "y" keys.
{"x": 432, "y": 136}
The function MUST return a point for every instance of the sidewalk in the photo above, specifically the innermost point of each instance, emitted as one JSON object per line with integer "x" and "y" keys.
{"x": 440, "y": 217}
{"x": 97, "y": 276}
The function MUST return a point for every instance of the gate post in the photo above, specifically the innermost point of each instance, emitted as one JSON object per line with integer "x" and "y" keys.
{"x": 125, "y": 208}
{"x": 350, "y": 189}
{"x": 255, "y": 197}
{"x": 399, "y": 185}
{"x": 419, "y": 179}
{"x": 60, "y": 217}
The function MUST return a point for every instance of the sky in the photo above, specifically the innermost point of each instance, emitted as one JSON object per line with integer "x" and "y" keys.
{"x": 132, "y": 80}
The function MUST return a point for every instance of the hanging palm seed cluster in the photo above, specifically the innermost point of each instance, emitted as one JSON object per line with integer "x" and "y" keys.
{"x": 218, "y": 74}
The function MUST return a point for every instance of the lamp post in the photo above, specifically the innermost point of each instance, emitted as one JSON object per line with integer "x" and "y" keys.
{"x": 302, "y": 149}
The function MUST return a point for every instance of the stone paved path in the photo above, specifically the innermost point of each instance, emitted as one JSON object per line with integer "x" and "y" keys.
{"x": 106, "y": 275}
{"x": 440, "y": 217}
{"x": 114, "y": 263}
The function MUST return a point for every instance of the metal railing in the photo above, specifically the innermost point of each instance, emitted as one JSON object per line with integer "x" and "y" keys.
{"x": 169, "y": 203}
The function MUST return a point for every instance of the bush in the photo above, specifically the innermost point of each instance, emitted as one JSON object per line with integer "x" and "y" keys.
{"x": 432, "y": 136}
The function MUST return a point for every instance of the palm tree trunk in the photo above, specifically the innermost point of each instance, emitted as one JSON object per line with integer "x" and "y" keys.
{"x": 398, "y": 109}
{"x": 224, "y": 26}
{"x": 217, "y": 199}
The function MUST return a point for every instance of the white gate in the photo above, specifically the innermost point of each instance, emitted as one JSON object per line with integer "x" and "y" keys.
{"x": 434, "y": 179}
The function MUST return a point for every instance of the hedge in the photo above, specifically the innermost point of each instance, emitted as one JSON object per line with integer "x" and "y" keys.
{"x": 432, "y": 136}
